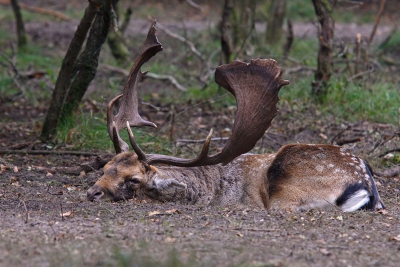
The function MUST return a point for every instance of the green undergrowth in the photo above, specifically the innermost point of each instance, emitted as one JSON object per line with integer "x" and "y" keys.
{"x": 350, "y": 101}
{"x": 90, "y": 133}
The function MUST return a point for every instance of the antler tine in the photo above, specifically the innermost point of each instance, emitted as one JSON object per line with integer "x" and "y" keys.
{"x": 128, "y": 110}
{"x": 139, "y": 152}
{"x": 255, "y": 87}
{"x": 201, "y": 160}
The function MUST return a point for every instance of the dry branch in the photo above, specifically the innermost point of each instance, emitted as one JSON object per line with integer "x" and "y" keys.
{"x": 48, "y": 152}
{"x": 183, "y": 40}
{"x": 93, "y": 165}
{"x": 389, "y": 172}
{"x": 194, "y": 5}
{"x": 38, "y": 10}
{"x": 148, "y": 75}
{"x": 378, "y": 19}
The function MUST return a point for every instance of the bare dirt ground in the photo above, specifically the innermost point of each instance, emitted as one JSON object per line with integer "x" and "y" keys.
{"x": 46, "y": 220}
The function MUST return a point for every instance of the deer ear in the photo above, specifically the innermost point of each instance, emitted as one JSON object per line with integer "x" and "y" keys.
{"x": 168, "y": 184}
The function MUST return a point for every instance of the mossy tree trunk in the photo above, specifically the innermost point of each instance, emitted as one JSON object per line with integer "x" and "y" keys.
{"x": 76, "y": 73}
{"x": 116, "y": 39}
{"x": 325, "y": 63}
{"x": 238, "y": 19}
{"x": 21, "y": 33}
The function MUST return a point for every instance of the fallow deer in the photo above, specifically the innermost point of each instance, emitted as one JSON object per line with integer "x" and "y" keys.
{"x": 298, "y": 176}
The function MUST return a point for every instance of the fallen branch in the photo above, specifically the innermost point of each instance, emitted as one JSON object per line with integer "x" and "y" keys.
{"x": 124, "y": 72}
{"x": 389, "y": 151}
{"x": 166, "y": 77}
{"x": 194, "y": 5}
{"x": 361, "y": 74}
{"x": 86, "y": 167}
{"x": 183, "y": 40}
{"x": 199, "y": 141}
{"x": 49, "y": 152}
{"x": 348, "y": 141}
{"x": 389, "y": 172}
{"x": 299, "y": 68}
{"x": 38, "y": 10}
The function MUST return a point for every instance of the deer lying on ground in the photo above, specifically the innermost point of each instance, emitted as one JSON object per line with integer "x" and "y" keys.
{"x": 298, "y": 176}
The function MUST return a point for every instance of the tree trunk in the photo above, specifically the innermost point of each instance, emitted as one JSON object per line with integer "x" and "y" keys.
{"x": 66, "y": 74}
{"x": 276, "y": 15}
{"x": 243, "y": 25}
{"x": 226, "y": 32}
{"x": 116, "y": 40}
{"x": 325, "y": 63}
{"x": 21, "y": 34}
{"x": 86, "y": 64}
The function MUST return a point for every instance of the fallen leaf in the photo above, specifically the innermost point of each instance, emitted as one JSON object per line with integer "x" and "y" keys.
{"x": 156, "y": 212}
{"x": 339, "y": 218}
{"x": 394, "y": 238}
{"x": 323, "y": 136}
{"x": 383, "y": 212}
{"x": 2, "y": 168}
{"x": 15, "y": 169}
{"x": 67, "y": 214}
{"x": 325, "y": 252}
{"x": 169, "y": 239}
{"x": 173, "y": 211}
{"x": 239, "y": 234}
{"x": 48, "y": 174}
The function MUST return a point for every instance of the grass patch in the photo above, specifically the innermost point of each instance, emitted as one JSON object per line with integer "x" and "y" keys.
{"x": 350, "y": 101}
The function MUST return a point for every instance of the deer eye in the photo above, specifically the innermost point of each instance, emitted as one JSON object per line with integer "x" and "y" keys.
{"x": 135, "y": 181}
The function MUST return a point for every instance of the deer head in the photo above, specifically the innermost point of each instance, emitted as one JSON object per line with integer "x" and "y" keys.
{"x": 255, "y": 87}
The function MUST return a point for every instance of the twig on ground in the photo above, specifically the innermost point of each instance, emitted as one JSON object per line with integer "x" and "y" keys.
{"x": 194, "y": 5}
{"x": 93, "y": 165}
{"x": 254, "y": 229}
{"x": 26, "y": 211}
{"x": 199, "y": 140}
{"x": 389, "y": 151}
{"x": 349, "y": 141}
{"x": 62, "y": 213}
{"x": 50, "y": 152}
{"x": 166, "y": 77}
{"x": 361, "y": 74}
{"x": 298, "y": 69}
{"x": 38, "y": 10}
{"x": 396, "y": 134}
{"x": 124, "y": 72}
{"x": 183, "y": 40}
{"x": 389, "y": 172}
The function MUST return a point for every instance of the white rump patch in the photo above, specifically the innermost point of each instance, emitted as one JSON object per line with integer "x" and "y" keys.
{"x": 356, "y": 201}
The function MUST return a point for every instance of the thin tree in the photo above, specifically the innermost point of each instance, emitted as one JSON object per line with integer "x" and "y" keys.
{"x": 226, "y": 31}
{"x": 324, "y": 69}
{"x": 77, "y": 71}
{"x": 21, "y": 33}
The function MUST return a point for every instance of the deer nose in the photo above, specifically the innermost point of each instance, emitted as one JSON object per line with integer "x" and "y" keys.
{"x": 94, "y": 193}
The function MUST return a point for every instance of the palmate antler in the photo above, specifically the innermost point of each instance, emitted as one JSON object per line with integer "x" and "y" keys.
{"x": 255, "y": 87}
{"x": 128, "y": 111}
